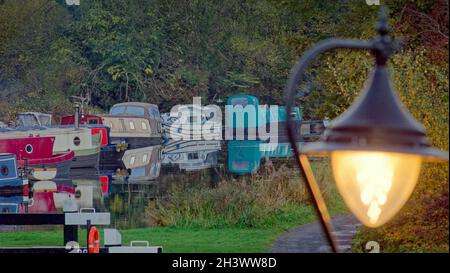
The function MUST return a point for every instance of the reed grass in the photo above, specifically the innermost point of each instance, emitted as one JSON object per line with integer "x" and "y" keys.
{"x": 267, "y": 198}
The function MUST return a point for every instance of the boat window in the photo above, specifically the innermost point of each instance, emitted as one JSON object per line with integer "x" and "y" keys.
{"x": 132, "y": 125}
{"x": 93, "y": 121}
{"x": 4, "y": 170}
{"x": 45, "y": 120}
{"x": 76, "y": 141}
{"x": 134, "y": 111}
{"x": 193, "y": 156}
{"x": 144, "y": 126}
{"x": 29, "y": 148}
{"x": 28, "y": 120}
{"x": 118, "y": 110}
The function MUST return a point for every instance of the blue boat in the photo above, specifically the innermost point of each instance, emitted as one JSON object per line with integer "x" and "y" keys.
{"x": 9, "y": 176}
{"x": 12, "y": 204}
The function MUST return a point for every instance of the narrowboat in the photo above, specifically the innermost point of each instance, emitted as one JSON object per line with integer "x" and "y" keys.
{"x": 191, "y": 155}
{"x": 10, "y": 180}
{"x": 244, "y": 156}
{"x": 110, "y": 154}
{"x": 36, "y": 154}
{"x": 81, "y": 141}
{"x": 192, "y": 122}
{"x": 136, "y": 123}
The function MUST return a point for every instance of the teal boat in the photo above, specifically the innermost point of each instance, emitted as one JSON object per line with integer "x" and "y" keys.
{"x": 244, "y": 117}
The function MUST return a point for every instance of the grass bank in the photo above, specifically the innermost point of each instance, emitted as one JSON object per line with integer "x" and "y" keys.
{"x": 176, "y": 239}
{"x": 240, "y": 215}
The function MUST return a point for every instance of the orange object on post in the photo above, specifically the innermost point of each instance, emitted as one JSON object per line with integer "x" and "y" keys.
{"x": 93, "y": 241}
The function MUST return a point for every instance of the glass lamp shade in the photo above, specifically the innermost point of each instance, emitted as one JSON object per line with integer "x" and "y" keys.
{"x": 375, "y": 185}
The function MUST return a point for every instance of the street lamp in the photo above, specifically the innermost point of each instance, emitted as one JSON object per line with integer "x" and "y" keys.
{"x": 376, "y": 146}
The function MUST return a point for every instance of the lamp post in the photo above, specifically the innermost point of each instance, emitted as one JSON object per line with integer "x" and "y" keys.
{"x": 376, "y": 146}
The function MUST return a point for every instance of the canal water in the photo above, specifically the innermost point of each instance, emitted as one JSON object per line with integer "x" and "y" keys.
{"x": 142, "y": 175}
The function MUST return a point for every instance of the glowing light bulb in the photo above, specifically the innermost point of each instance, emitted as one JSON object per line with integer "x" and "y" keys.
{"x": 375, "y": 185}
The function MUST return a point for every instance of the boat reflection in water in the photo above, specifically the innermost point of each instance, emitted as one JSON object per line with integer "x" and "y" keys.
{"x": 142, "y": 164}
{"x": 144, "y": 175}
{"x": 245, "y": 156}
{"x": 191, "y": 155}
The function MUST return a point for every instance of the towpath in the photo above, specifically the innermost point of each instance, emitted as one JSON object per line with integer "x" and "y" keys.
{"x": 310, "y": 238}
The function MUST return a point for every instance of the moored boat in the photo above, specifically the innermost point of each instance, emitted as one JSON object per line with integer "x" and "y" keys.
{"x": 10, "y": 180}
{"x": 248, "y": 120}
{"x": 81, "y": 141}
{"x": 110, "y": 154}
{"x": 36, "y": 154}
{"x": 192, "y": 122}
{"x": 137, "y": 123}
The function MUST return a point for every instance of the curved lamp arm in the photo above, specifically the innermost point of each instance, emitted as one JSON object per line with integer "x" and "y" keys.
{"x": 305, "y": 169}
{"x": 299, "y": 69}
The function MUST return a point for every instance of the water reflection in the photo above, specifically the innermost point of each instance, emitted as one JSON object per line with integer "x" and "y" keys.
{"x": 141, "y": 175}
{"x": 191, "y": 155}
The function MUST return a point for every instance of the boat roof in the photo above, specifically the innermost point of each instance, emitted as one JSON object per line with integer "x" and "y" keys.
{"x": 34, "y": 113}
{"x": 141, "y": 104}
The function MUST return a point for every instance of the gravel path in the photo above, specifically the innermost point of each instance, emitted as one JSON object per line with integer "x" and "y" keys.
{"x": 310, "y": 238}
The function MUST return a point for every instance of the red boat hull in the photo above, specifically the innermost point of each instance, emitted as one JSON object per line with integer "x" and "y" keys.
{"x": 39, "y": 154}
{"x": 28, "y": 147}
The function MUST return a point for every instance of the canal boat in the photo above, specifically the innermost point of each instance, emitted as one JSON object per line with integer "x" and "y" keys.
{"x": 192, "y": 122}
{"x": 84, "y": 144}
{"x": 136, "y": 123}
{"x": 10, "y": 180}
{"x": 36, "y": 155}
{"x": 110, "y": 154}
{"x": 246, "y": 119}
